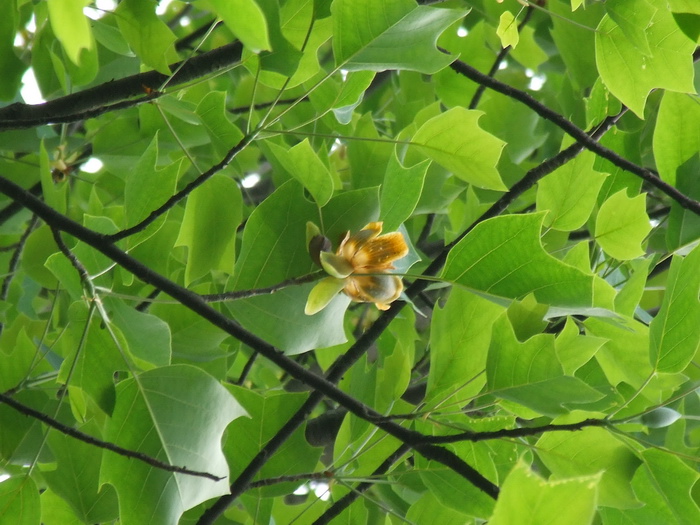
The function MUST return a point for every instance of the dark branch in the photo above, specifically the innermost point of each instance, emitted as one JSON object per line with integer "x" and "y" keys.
{"x": 86, "y": 438}
{"x": 100, "y": 99}
{"x": 515, "y": 432}
{"x": 194, "y": 302}
{"x": 577, "y": 133}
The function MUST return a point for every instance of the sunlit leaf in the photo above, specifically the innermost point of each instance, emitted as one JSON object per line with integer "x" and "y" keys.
{"x": 630, "y": 74}
{"x": 621, "y": 226}
{"x": 395, "y": 34}
{"x": 455, "y": 140}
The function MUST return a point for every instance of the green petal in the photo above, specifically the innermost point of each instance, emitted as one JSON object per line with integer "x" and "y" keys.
{"x": 322, "y": 294}
{"x": 336, "y": 265}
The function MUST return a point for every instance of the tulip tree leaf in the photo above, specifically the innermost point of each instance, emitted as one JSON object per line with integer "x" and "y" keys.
{"x": 589, "y": 452}
{"x": 11, "y": 67}
{"x": 630, "y": 75}
{"x": 155, "y": 415}
{"x": 569, "y": 193}
{"x": 71, "y": 26}
{"x": 77, "y": 476}
{"x": 679, "y": 116}
{"x": 634, "y": 18}
{"x": 530, "y": 374}
{"x": 246, "y": 21}
{"x": 674, "y": 338}
{"x": 507, "y": 30}
{"x": 455, "y": 141}
{"x": 19, "y": 501}
{"x": 212, "y": 215}
{"x": 460, "y": 337}
{"x": 504, "y": 257}
{"x": 528, "y": 499}
{"x": 148, "y": 187}
{"x": 401, "y": 191}
{"x": 223, "y": 133}
{"x": 308, "y": 169}
{"x": 394, "y": 34}
{"x": 621, "y": 226}
{"x": 148, "y": 35}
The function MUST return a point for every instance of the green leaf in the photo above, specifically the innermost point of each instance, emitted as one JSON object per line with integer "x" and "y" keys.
{"x": 147, "y": 187}
{"x": 71, "y": 26}
{"x": 674, "y": 338}
{"x": 667, "y": 482}
{"x": 455, "y": 141}
{"x": 530, "y": 374}
{"x": 395, "y": 34}
{"x": 634, "y": 18}
{"x": 368, "y": 158}
{"x": 208, "y": 229}
{"x": 247, "y": 436}
{"x": 308, "y": 169}
{"x": 569, "y": 193}
{"x": 684, "y": 225}
{"x": 246, "y": 20}
{"x": 622, "y": 225}
{"x": 504, "y": 257}
{"x": 589, "y": 452}
{"x": 19, "y": 501}
{"x": 679, "y": 116}
{"x": 178, "y": 415}
{"x": 429, "y": 510}
{"x": 400, "y": 192}
{"x": 11, "y": 67}
{"x": 284, "y": 57}
{"x": 148, "y": 35}
{"x": 274, "y": 240}
{"x": 625, "y": 355}
{"x": 507, "y": 30}
{"x": 223, "y": 133}
{"x": 574, "y": 350}
{"x": 526, "y": 498}
{"x": 76, "y": 478}
{"x": 459, "y": 341}
{"x": 147, "y": 352}
{"x": 630, "y": 74}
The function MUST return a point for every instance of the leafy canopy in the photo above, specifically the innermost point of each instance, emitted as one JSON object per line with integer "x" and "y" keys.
{"x": 541, "y": 162}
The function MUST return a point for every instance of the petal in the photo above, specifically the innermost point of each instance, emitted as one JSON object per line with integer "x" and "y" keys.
{"x": 336, "y": 265}
{"x": 352, "y": 243}
{"x": 322, "y": 294}
{"x": 379, "y": 253}
{"x": 378, "y": 289}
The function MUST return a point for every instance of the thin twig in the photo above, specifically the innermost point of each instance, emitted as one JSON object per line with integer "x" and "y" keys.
{"x": 502, "y": 54}
{"x": 86, "y": 438}
{"x": 244, "y": 294}
{"x": 173, "y": 200}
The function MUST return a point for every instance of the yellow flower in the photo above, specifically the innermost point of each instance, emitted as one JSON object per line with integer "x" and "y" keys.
{"x": 360, "y": 269}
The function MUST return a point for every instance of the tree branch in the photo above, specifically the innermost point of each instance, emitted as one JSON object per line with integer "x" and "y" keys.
{"x": 577, "y": 133}
{"x": 475, "y": 437}
{"x": 86, "y": 438}
{"x": 195, "y": 303}
{"x": 344, "y": 362}
{"x": 100, "y": 99}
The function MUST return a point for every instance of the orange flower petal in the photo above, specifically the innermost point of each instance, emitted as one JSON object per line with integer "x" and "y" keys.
{"x": 379, "y": 253}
